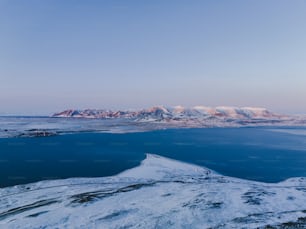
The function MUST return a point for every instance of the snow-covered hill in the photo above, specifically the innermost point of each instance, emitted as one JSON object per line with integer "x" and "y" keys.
{"x": 160, "y": 193}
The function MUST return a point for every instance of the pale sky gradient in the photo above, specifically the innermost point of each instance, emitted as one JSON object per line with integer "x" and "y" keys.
{"x": 57, "y": 54}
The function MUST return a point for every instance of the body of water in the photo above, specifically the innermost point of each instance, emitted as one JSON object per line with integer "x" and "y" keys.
{"x": 249, "y": 153}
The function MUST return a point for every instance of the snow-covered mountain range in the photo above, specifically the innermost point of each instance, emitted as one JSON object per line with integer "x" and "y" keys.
{"x": 154, "y": 118}
{"x": 175, "y": 113}
{"x": 195, "y": 116}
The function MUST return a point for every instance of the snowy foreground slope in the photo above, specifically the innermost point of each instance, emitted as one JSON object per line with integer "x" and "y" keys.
{"x": 160, "y": 193}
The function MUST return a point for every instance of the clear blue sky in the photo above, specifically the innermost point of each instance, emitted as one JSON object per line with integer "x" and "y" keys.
{"x": 58, "y": 54}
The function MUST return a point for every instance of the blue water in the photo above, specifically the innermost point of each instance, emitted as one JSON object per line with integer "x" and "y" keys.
{"x": 249, "y": 153}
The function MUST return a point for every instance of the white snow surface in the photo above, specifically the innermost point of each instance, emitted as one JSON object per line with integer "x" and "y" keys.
{"x": 160, "y": 193}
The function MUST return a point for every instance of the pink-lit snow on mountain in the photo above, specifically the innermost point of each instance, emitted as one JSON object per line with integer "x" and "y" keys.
{"x": 174, "y": 113}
